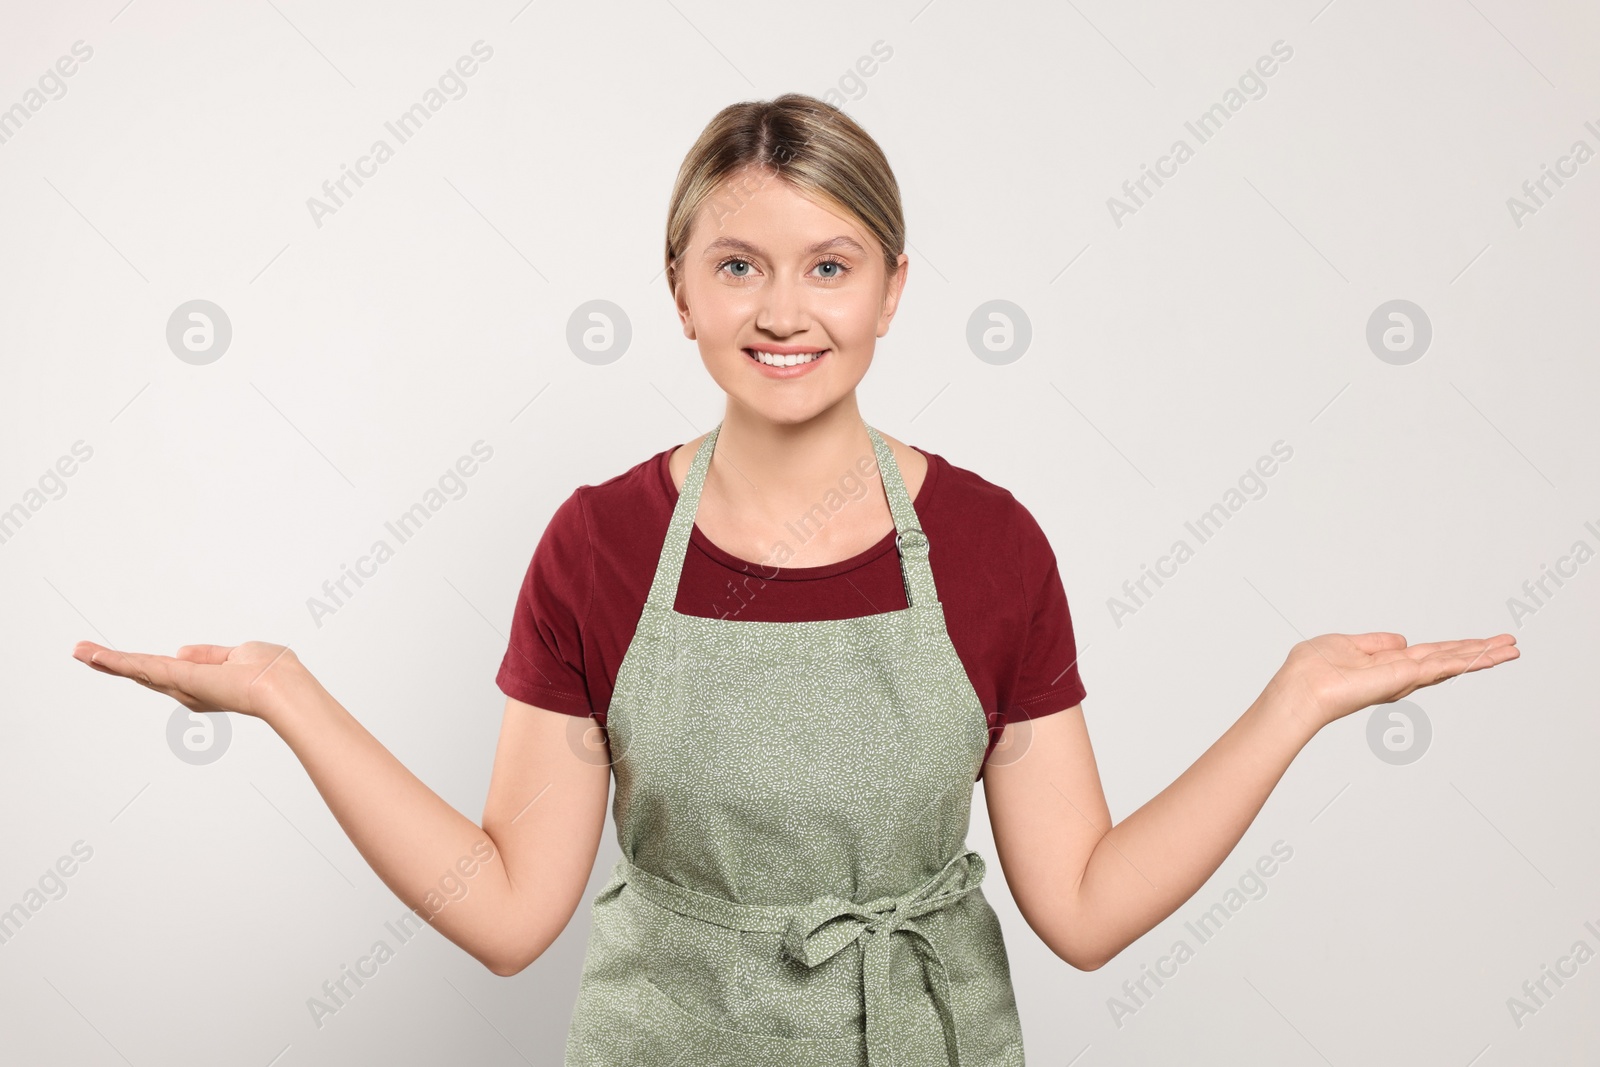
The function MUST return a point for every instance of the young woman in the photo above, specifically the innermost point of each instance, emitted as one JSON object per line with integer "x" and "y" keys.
{"x": 804, "y": 639}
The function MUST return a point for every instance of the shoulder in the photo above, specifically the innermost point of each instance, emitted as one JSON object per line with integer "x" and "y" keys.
{"x": 914, "y": 463}
{"x": 956, "y": 488}
{"x": 613, "y": 508}
{"x": 678, "y": 459}
{"x": 984, "y": 516}
{"x": 640, "y": 485}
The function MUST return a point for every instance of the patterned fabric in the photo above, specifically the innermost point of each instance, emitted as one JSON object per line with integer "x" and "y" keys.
{"x": 796, "y": 890}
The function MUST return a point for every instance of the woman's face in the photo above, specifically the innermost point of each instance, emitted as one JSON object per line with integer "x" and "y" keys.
{"x": 768, "y": 271}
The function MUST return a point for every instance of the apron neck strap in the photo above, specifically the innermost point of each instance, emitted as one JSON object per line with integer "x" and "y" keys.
{"x": 909, "y": 538}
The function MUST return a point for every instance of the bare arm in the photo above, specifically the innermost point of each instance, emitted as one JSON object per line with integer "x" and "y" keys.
{"x": 503, "y": 891}
{"x": 1089, "y": 888}
{"x": 1098, "y": 888}
{"x": 517, "y": 879}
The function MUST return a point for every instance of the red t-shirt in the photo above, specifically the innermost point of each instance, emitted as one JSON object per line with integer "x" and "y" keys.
{"x": 585, "y": 588}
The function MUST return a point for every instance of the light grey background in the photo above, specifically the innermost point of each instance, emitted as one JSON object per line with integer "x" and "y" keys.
{"x": 1168, "y": 354}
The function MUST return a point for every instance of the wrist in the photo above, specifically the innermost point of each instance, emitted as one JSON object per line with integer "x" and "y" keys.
{"x": 1287, "y": 710}
{"x": 292, "y": 697}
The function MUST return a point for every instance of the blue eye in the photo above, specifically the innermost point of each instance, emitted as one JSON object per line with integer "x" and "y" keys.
{"x": 840, "y": 269}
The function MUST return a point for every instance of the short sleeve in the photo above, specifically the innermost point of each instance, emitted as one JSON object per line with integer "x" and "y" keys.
{"x": 544, "y": 662}
{"x": 1048, "y": 679}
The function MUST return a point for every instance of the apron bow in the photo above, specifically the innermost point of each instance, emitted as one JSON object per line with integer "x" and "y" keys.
{"x": 818, "y": 931}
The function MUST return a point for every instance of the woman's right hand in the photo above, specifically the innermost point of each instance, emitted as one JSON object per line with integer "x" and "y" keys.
{"x": 255, "y": 678}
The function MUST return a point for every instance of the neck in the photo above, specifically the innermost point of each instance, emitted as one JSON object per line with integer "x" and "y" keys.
{"x": 784, "y": 471}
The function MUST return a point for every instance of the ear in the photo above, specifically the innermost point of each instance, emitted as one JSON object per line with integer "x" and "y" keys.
{"x": 680, "y": 302}
{"x": 893, "y": 287}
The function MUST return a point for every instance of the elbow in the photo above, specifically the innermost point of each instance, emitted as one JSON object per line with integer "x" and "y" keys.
{"x": 508, "y": 960}
{"x": 522, "y": 941}
{"x": 1085, "y": 962}
{"x": 511, "y": 959}
{"x": 1083, "y": 957}
{"x": 1066, "y": 941}
{"x": 506, "y": 966}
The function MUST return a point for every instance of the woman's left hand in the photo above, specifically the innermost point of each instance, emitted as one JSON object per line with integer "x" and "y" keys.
{"x": 1333, "y": 675}
{"x": 255, "y": 678}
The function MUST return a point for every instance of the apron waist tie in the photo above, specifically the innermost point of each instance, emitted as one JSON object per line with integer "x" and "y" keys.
{"x": 819, "y": 930}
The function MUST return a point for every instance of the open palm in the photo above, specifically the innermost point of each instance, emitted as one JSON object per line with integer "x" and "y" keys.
{"x": 1336, "y": 674}
{"x": 247, "y": 678}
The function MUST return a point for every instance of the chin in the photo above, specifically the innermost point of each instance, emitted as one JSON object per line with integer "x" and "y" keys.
{"x": 796, "y": 413}
{"x": 782, "y": 403}
{"x": 785, "y": 414}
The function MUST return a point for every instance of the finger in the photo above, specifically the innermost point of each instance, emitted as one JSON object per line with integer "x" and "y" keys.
{"x": 1492, "y": 642}
{"x": 205, "y": 653}
{"x": 1480, "y": 647}
{"x": 154, "y": 672}
{"x": 1402, "y": 674}
{"x": 1490, "y": 655}
{"x": 84, "y": 649}
{"x": 100, "y": 667}
{"x": 1420, "y": 652}
{"x": 1377, "y": 641}
{"x": 1448, "y": 666}
{"x": 101, "y": 658}
{"x": 96, "y": 654}
{"x": 1450, "y": 647}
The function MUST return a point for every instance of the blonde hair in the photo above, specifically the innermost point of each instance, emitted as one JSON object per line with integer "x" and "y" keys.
{"x": 809, "y": 143}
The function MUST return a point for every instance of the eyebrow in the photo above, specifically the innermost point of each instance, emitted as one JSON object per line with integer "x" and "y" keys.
{"x": 736, "y": 244}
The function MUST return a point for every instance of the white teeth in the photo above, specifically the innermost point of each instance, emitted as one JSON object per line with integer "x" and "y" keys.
{"x": 774, "y": 360}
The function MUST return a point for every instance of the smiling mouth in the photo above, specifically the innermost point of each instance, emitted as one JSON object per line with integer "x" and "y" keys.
{"x": 771, "y": 359}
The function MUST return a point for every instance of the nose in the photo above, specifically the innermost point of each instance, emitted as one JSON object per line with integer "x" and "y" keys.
{"x": 782, "y": 312}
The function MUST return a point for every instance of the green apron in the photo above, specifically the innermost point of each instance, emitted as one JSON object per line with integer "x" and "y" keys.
{"x": 792, "y": 802}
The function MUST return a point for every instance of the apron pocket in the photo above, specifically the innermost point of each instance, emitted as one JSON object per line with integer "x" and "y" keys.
{"x": 720, "y": 1047}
